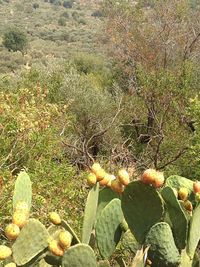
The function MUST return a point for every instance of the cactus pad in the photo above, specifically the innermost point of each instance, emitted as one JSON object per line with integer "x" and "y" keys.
{"x": 80, "y": 255}
{"x": 105, "y": 196}
{"x": 176, "y": 181}
{"x": 108, "y": 230}
{"x": 103, "y": 263}
{"x": 23, "y": 189}
{"x": 142, "y": 207}
{"x": 32, "y": 240}
{"x": 194, "y": 232}
{"x": 177, "y": 217}
{"x": 163, "y": 251}
{"x": 129, "y": 242}
{"x": 90, "y": 213}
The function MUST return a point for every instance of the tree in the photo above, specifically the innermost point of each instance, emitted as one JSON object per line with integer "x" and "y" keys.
{"x": 15, "y": 40}
{"x": 155, "y": 50}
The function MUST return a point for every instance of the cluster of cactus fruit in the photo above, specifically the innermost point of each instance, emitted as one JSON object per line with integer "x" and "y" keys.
{"x": 155, "y": 219}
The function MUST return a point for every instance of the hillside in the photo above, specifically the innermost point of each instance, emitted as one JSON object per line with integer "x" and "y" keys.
{"x": 54, "y": 32}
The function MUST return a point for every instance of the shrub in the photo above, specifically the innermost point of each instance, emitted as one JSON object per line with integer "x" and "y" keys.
{"x": 62, "y": 21}
{"x": 15, "y": 40}
{"x": 68, "y": 4}
{"x": 35, "y": 5}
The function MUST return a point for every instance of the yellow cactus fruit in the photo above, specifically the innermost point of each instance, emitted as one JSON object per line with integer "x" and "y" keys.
{"x": 105, "y": 180}
{"x": 55, "y": 218}
{"x": 91, "y": 179}
{"x": 116, "y": 186}
{"x": 188, "y": 205}
{"x": 95, "y": 167}
{"x": 197, "y": 197}
{"x": 12, "y": 231}
{"x": 11, "y": 264}
{"x": 65, "y": 239}
{"x": 100, "y": 174}
{"x": 19, "y": 218}
{"x": 123, "y": 177}
{"x": 55, "y": 248}
{"x": 5, "y": 252}
{"x": 183, "y": 193}
{"x": 159, "y": 180}
{"x": 22, "y": 206}
{"x": 149, "y": 176}
{"x": 112, "y": 177}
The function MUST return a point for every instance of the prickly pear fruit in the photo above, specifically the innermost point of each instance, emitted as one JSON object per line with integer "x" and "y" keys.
{"x": 196, "y": 187}
{"x": 188, "y": 205}
{"x": 91, "y": 179}
{"x": 105, "y": 180}
{"x": 65, "y": 239}
{"x": 116, "y": 186}
{"x": 100, "y": 174}
{"x": 183, "y": 193}
{"x": 5, "y": 252}
{"x": 149, "y": 176}
{"x": 123, "y": 177}
{"x": 12, "y": 231}
{"x": 55, "y": 218}
{"x": 55, "y": 248}
{"x": 22, "y": 206}
{"x": 95, "y": 167}
{"x": 197, "y": 197}
{"x": 11, "y": 264}
{"x": 19, "y": 218}
{"x": 159, "y": 180}
{"x": 112, "y": 177}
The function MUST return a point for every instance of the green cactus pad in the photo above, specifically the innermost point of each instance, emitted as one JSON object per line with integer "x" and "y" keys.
{"x": 194, "y": 232}
{"x": 33, "y": 239}
{"x": 105, "y": 196}
{"x": 129, "y": 243}
{"x": 52, "y": 259}
{"x": 103, "y": 263}
{"x": 80, "y": 255}
{"x": 163, "y": 251}
{"x": 177, "y": 217}
{"x": 108, "y": 230}
{"x": 90, "y": 213}
{"x": 68, "y": 228}
{"x": 23, "y": 189}
{"x": 176, "y": 181}
{"x": 142, "y": 207}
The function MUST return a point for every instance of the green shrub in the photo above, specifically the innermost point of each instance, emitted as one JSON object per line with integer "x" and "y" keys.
{"x": 15, "y": 40}
{"x": 62, "y": 21}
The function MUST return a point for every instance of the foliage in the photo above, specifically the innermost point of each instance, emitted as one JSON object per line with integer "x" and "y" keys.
{"x": 15, "y": 40}
{"x": 68, "y": 4}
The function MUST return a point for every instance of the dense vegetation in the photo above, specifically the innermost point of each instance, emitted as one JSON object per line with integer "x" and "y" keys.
{"x": 80, "y": 81}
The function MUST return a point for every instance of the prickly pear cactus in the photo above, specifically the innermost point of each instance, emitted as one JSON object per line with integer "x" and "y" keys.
{"x": 108, "y": 230}
{"x": 194, "y": 232}
{"x": 129, "y": 243}
{"x": 176, "y": 181}
{"x": 103, "y": 263}
{"x": 142, "y": 206}
{"x": 68, "y": 228}
{"x": 32, "y": 241}
{"x": 162, "y": 251}
{"x": 23, "y": 189}
{"x": 90, "y": 213}
{"x": 80, "y": 255}
{"x": 177, "y": 217}
{"x": 105, "y": 196}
